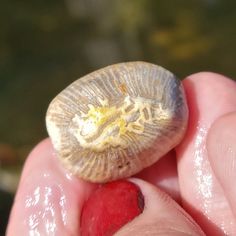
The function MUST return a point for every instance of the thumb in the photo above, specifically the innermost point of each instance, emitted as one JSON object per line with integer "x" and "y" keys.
{"x": 161, "y": 216}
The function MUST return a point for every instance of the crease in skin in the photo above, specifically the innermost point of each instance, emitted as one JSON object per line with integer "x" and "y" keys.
{"x": 210, "y": 204}
{"x": 43, "y": 213}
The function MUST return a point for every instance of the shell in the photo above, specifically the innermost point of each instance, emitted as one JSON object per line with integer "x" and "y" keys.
{"x": 116, "y": 121}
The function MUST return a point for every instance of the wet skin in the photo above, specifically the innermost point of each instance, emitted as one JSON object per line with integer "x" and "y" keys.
{"x": 199, "y": 174}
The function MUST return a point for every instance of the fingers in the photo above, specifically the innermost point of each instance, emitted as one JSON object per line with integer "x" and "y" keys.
{"x": 48, "y": 200}
{"x": 221, "y": 147}
{"x": 209, "y": 97}
{"x": 161, "y": 216}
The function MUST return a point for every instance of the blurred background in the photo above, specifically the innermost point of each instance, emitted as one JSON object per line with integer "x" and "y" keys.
{"x": 45, "y": 45}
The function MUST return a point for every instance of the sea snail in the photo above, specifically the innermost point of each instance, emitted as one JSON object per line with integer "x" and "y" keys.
{"x": 116, "y": 121}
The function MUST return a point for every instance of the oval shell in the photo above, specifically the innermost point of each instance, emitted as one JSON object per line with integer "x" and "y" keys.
{"x": 116, "y": 121}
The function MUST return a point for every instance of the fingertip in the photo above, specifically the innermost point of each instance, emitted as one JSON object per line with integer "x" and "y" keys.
{"x": 209, "y": 96}
{"x": 222, "y": 154}
{"x": 203, "y": 75}
{"x": 43, "y": 150}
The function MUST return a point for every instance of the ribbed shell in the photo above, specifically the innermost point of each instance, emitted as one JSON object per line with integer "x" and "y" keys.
{"x": 114, "y": 122}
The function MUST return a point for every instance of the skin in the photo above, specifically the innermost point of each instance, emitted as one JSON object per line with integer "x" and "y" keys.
{"x": 200, "y": 175}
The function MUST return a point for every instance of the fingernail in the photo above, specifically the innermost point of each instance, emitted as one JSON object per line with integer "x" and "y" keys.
{"x": 110, "y": 207}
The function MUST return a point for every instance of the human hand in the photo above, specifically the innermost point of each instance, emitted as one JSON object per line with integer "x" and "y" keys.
{"x": 49, "y": 200}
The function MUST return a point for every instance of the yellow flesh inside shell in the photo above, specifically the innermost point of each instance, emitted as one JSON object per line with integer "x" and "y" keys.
{"x": 105, "y": 126}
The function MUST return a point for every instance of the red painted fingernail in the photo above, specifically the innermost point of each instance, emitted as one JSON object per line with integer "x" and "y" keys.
{"x": 110, "y": 207}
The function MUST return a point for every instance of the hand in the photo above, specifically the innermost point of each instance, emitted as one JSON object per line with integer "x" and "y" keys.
{"x": 49, "y": 201}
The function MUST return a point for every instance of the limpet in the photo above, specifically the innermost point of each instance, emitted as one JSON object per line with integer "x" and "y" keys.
{"x": 116, "y": 121}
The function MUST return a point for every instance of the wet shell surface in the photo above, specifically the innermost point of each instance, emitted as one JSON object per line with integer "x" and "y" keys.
{"x": 116, "y": 121}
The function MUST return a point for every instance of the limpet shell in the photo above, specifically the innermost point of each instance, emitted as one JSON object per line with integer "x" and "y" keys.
{"x": 116, "y": 121}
